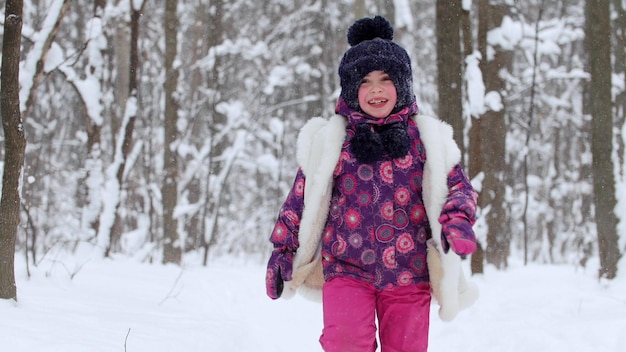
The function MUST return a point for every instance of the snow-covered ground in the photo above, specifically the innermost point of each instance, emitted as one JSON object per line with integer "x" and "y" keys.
{"x": 122, "y": 305}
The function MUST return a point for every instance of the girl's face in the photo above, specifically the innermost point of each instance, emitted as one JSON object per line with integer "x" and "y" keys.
{"x": 377, "y": 94}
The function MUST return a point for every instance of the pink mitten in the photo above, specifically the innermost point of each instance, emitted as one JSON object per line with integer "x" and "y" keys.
{"x": 457, "y": 234}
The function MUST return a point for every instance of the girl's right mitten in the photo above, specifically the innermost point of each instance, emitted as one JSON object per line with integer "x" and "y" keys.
{"x": 279, "y": 270}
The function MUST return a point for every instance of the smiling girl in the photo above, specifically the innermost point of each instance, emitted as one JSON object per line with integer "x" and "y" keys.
{"x": 377, "y": 185}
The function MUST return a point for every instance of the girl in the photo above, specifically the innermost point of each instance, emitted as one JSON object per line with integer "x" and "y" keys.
{"x": 379, "y": 189}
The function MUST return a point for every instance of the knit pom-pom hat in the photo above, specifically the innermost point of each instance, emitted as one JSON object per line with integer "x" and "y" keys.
{"x": 372, "y": 49}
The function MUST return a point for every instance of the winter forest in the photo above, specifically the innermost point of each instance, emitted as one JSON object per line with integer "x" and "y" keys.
{"x": 164, "y": 130}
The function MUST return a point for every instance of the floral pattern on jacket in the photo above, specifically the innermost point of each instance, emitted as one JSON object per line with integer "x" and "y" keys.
{"x": 377, "y": 226}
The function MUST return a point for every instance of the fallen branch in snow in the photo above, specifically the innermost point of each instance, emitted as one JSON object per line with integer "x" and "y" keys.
{"x": 126, "y": 339}
{"x": 169, "y": 294}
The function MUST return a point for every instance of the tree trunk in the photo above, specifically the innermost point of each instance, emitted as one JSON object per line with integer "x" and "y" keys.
{"x": 450, "y": 67}
{"x": 172, "y": 246}
{"x": 474, "y": 155}
{"x": 113, "y": 231}
{"x": 14, "y": 145}
{"x": 218, "y": 121}
{"x": 359, "y": 9}
{"x": 493, "y": 134}
{"x": 473, "y": 144}
{"x": 193, "y": 190}
{"x": 90, "y": 184}
{"x": 598, "y": 34}
{"x": 619, "y": 68}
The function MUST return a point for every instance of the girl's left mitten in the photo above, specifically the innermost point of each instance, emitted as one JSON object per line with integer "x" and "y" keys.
{"x": 279, "y": 270}
{"x": 457, "y": 234}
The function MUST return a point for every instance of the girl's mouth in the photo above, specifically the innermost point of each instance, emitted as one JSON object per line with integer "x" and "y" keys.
{"x": 377, "y": 101}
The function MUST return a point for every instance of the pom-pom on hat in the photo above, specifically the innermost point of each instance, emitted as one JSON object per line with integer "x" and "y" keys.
{"x": 372, "y": 49}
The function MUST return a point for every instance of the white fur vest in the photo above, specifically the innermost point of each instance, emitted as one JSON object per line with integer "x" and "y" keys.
{"x": 318, "y": 149}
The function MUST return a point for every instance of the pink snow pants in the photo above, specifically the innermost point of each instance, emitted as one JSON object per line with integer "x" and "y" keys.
{"x": 350, "y": 308}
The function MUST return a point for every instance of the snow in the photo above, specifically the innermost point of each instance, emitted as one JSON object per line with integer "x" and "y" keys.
{"x": 621, "y": 197}
{"x": 475, "y": 85}
{"x": 90, "y": 304}
{"x": 508, "y": 35}
{"x": 403, "y": 15}
{"x": 478, "y": 101}
{"x": 28, "y": 67}
{"x": 467, "y": 5}
{"x": 122, "y": 305}
{"x": 280, "y": 76}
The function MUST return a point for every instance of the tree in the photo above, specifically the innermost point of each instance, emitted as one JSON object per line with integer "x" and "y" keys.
{"x": 110, "y": 229}
{"x": 450, "y": 67}
{"x": 34, "y": 76}
{"x": 217, "y": 139}
{"x": 598, "y": 43}
{"x": 14, "y": 145}
{"x": 246, "y": 87}
{"x": 49, "y": 30}
{"x": 94, "y": 119}
{"x": 91, "y": 83}
{"x": 492, "y": 140}
{"x": 454, "y": 44}
{"x": 172, "y": 248}
{"x": 472, "y": 149}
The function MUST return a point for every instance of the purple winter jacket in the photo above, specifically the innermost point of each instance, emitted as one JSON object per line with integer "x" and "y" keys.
{"x": 377, "y": 226}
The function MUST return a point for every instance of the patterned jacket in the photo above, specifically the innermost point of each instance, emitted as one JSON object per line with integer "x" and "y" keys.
{"x": 319, "y": 151}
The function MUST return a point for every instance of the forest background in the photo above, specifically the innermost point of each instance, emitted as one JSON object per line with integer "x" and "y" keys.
{"x": 165, "y": 130}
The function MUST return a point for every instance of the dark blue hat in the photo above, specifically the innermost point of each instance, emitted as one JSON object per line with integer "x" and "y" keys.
{"x": 372, "y": 49}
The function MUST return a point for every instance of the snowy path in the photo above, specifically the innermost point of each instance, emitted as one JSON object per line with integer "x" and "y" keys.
{"x": 128, "y": 307}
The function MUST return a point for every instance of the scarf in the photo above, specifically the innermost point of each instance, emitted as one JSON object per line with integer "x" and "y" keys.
{"x": 373, "y": 137}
